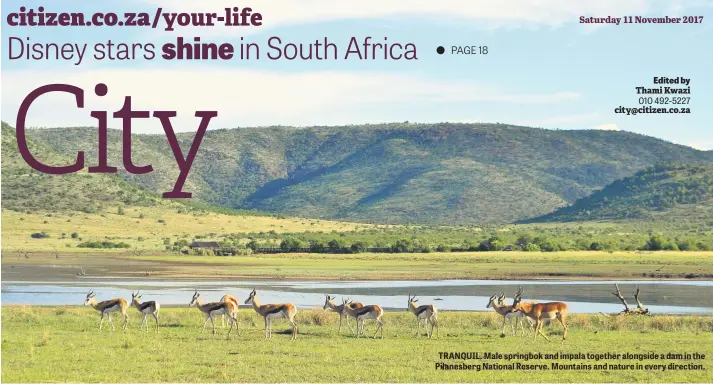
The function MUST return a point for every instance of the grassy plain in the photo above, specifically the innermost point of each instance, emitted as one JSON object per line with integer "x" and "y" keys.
{"x": 41, "y": 344}
{"x": 143, "y": 227}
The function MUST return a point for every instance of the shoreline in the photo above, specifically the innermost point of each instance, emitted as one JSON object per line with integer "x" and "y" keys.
{"x": 201, "y": 278}
{"x": 487, "y": 266}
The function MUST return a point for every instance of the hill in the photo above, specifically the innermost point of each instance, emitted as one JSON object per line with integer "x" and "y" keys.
{"x": 391, "y": 173}
{"x": 664, "y": 190}
{"x": 90, "y": 207}
{"x": 24, "y": 189}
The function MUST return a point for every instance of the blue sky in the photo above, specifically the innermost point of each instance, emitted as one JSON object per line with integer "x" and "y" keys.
{"x": 543, "y": 69}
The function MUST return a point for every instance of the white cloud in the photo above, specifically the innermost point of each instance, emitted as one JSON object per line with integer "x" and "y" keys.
{"x": 702, "y": 145}
{"x": 607, "y": 127}
{"x": 488, "y": 13}
{"x": 245, "y": 97}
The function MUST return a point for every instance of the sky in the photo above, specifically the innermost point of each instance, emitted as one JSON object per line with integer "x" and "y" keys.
{"x": 543, "y": 68}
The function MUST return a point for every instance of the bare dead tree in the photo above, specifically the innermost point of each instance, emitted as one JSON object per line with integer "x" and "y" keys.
{"x": 640, "y": 307}
{"x": 639, "y": 310}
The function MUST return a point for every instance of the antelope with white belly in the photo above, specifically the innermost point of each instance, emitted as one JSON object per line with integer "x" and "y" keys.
{"x": 146, "y": 308}
{"x": 107, "y": 307}
{"x": 215, "y": 309}
{"x": 273, "y": 311}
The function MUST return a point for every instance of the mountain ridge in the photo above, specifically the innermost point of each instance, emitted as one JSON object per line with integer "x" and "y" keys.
{"x": 395, "y": 173}
{"x": 669, "y": 189}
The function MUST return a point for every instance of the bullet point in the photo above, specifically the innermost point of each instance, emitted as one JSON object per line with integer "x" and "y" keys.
{"x": 440, "y": 50}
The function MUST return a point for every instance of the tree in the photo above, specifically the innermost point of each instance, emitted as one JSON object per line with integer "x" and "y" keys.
{"x": 547, "y": 244}
{"x": 532, "y": 247}
{"x": 359, "y": 247}
{"x": 656, "y": 243}
{"x": 524, "y": 240}
{"x": 402, "y": 246}
{"x": 318, "y": 246}
{"x": 337, "y": 246}
{"x": 253, "y": 245}
{"x": 292, "y": 243}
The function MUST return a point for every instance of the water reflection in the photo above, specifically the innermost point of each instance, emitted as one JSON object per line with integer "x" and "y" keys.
{"x": 680, "y": 297}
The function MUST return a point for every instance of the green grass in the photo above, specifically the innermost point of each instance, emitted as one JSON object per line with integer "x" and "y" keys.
{"x": 41, "y": 344}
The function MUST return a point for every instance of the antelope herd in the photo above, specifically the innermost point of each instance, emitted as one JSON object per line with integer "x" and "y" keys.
{"x": 520, "y": 311}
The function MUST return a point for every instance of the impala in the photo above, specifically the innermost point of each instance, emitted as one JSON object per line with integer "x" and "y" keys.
{"x": 233, "y": 300}
{"x": 541, "y": 311}
{"x": 107, "y": 307}
{"x": 329, "y": 304}
{"x": 426, "y": 312}
{"x": 498, "y": 304}
{"x": 273, "y": 311}
{"x": 145, "y": 308}
{"x": 367, "y": 312}
{"x": 212, "y": 309}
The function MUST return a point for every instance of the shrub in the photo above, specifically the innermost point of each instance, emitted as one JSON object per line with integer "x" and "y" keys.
{"x": 532, "y": 247}
{"x": 318, "y": 246}
{"x": 40, "y": 235}
{"x": 655, "y": 243}
{"x": 102, "y": 244}
{"x": 359, "y": 247}
{"x": 292, "y": 243}
{"x": 337, "y": 246}
{"x": 443, "y": 248}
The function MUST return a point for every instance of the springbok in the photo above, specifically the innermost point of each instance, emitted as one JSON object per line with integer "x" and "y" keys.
{"x": 273, "y": 311}
{"x": 145, "y": 308}
{"x": 367, "y": 312}
{"x": 426, "y": 312}
{"x": 107, "y": 307}
{"x": 498, "y": 304}
{"x": 234, "y": 301}
{"x": 213, "y": 309}
{"x": 329, "y": 304}
{"x": 538, "y": 312}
